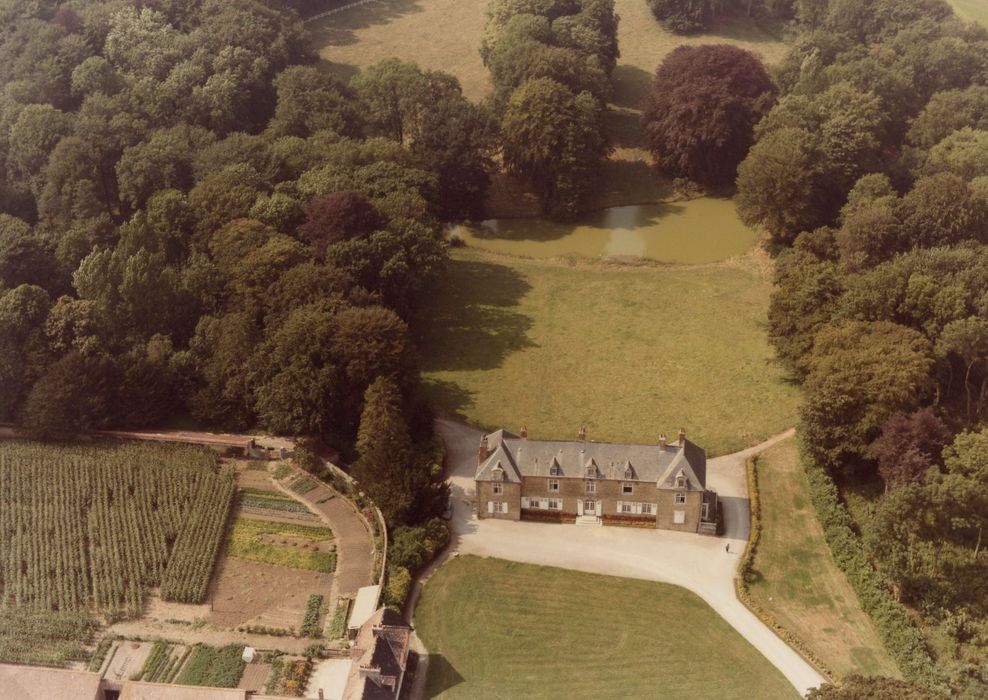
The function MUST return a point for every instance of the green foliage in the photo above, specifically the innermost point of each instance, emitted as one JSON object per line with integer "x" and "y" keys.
{"x": 310, "y": 622}
{"x": 872, "y": 688}
{"x": 100, "y": 652}
{"x": 153, "y": 663}
{"x": 682, "y": 16}
{"x": 214, "y": 667}
{"x": 399, "y": 584}
{"x": 337, "y": 626}
{"x": 46, "y": 638}
{"x": 146, "y": 516}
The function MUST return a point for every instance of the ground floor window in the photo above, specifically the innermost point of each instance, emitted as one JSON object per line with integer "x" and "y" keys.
{"x": 648, "y": 509}
{"x": 634, "y": 508}
{"x": 706, "y": 511}
{"x": 533, "y": 503}
{"x": 497, "y": 507}
{"x": 555, "y": 504}
{"x": 679, "y": 517}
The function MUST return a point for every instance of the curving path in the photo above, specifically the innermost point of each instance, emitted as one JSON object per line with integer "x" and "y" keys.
{"x": 698, "y": 563}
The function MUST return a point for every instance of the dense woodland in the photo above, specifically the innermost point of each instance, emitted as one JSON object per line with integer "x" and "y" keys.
{"x": 197, "y": 224}
{"x": 870, "y": 173}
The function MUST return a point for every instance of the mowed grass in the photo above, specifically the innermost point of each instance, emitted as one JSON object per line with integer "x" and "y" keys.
{"x": 446, "y": 35}
{"x": 627, "y": 351}
{"x": 973, "y": 10}
{"x": 497, "y": 629}
{"x": 800, "y": 585}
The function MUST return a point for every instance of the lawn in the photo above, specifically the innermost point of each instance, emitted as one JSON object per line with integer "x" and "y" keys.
{"x": 282, "y": 544}
{"x": 800, "y": 585}
{"x": 627, "y": 351}
{"x": 446, "y": 35}
{"x": 974, "y": 10}
{"x": 497, "y": 629}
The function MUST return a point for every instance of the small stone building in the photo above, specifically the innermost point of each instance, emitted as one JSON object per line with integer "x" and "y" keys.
{"x": 380, "y": 658}
{"x": 662, "y": 486}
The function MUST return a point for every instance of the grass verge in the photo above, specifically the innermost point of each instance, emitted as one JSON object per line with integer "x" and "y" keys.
{"x": 794, "y": 577}
{"x": 565, "y": 634}
{"x": 628, "y": 352}
{"x": 248, "y": 541}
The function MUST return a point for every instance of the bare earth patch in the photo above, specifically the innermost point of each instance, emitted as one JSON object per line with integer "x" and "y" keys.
{"x": 247, "y": 592}
{"x": 255, "y": 676}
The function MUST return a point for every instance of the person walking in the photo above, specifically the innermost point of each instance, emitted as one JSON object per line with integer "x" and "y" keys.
{"x": 727, "y": 547}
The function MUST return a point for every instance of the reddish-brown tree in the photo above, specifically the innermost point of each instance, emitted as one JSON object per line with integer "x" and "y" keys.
{"x": 909, "y": 444}
{"x": 702, "y": 109}
{"x": 338, "y": 216}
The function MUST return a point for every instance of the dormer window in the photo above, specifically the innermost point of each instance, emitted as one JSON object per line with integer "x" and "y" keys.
{"x": 629, "y": 473}
{"x": 681, "y": 479}
{"x": 555, "y": 469}
{"x": 591, "y": 472}
{"x": 497, "y": 473}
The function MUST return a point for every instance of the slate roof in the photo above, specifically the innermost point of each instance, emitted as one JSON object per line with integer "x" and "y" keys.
{"x": 519, "y": 457}
{"x": 381, "y": 650}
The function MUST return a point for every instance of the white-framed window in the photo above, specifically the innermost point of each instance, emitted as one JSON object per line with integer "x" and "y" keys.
{"x": 680, "y": 498}
{"x": 627, "y": 488}
{"x": 555, "y": 469}
{"x": 679, "y": 517}
{"x": 680, "y": 482}
{"x": 626, "y": 507}
{"x": 533, "y": 503}
{"x": 497, "y": 507}
{"x": 705, "y": 511}
{"x": 591, "y": 486}
{"x": 555, "y": 504}
{"x": 498, "y": 488}
{"x": 648, "y": 509}
{"x": 554, "y": 484}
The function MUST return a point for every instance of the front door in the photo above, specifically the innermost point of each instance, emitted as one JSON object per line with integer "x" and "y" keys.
{"x": 590, "y": 507}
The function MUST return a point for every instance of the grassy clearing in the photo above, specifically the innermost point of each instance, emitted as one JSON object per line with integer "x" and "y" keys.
{"x": 252, "y": 540}
{"x": 799, "y": 583}
{"x": 506, "y": 630}
{"x": 446, "y": 35}
{"x": 973, "y": 10}
{"x": 628, "y": 352}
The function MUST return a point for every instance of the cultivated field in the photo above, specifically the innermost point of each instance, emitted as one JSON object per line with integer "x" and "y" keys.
{"x": 799, "y": 583}
{"x": 83, "y": 526}
{"x": 496, "y": 629}
{"x": 629, "y": 352}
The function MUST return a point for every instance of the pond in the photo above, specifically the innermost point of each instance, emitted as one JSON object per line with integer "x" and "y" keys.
{"x": 695, "y": 231}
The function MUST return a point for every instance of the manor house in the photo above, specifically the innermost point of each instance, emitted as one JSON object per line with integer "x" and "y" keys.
{"x": 595, "y": 483}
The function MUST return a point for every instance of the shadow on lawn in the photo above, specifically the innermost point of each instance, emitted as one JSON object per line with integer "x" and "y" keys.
{"x": 442, "y": 676}
{"x": 340, "y": 29}
{"x": 473, "y": 322}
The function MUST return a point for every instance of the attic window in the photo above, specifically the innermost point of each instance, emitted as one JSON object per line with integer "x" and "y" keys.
{"x": 680, "y": 482}
{"x": 497, "y": 474}
{"x": 555, "y": 469}
{"x": 591, "y": 471}
{"x": 629, "y": 473}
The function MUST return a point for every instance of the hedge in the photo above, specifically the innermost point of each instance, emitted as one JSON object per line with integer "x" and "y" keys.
{"x": 902, "y": 638}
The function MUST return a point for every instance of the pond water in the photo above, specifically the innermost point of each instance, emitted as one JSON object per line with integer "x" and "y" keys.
{"x": 696, "y": 231}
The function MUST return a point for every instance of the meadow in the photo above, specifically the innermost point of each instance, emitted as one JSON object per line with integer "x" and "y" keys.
{"x": 974, "y": 10}
{"x": 446, "y": 35}
{"x": 497, "y": 629}
{"x": 797, "y": 580}
{"x": 627, "y": 351}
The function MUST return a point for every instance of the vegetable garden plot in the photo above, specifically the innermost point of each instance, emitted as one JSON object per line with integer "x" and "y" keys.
{"x": 84, "y": 526}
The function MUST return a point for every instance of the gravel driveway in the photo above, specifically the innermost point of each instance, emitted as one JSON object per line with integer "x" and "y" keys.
{"x": 695, "y": 562}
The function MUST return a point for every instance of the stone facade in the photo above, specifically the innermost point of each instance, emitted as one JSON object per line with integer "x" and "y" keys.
{"x": 661, "y": 486}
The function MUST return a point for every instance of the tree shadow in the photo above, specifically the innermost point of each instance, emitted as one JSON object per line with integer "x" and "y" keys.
{"x": 341, "y": 29}
{"x": 631, "y": 84}
{"x": 738, "y": 28}
{"x": 453, "y": 398}
{"x": 442, "y": 676}
{"x": 472, "y": 321}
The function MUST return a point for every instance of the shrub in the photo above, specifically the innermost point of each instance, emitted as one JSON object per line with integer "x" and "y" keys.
{"x": 399, "y": 582}
{"x": 310, "y": 623}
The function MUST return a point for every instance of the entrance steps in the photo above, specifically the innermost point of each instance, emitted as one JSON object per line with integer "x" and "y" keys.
{"x": 589, "y": 521}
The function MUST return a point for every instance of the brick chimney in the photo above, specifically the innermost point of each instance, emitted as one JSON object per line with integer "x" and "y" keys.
{"x": 682, "y": 437}
{"x": 663, "y": 441}
{"x": 583, "y": 433}
{"x": 482, "y": 451}
{"x": 524, "y": 431}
